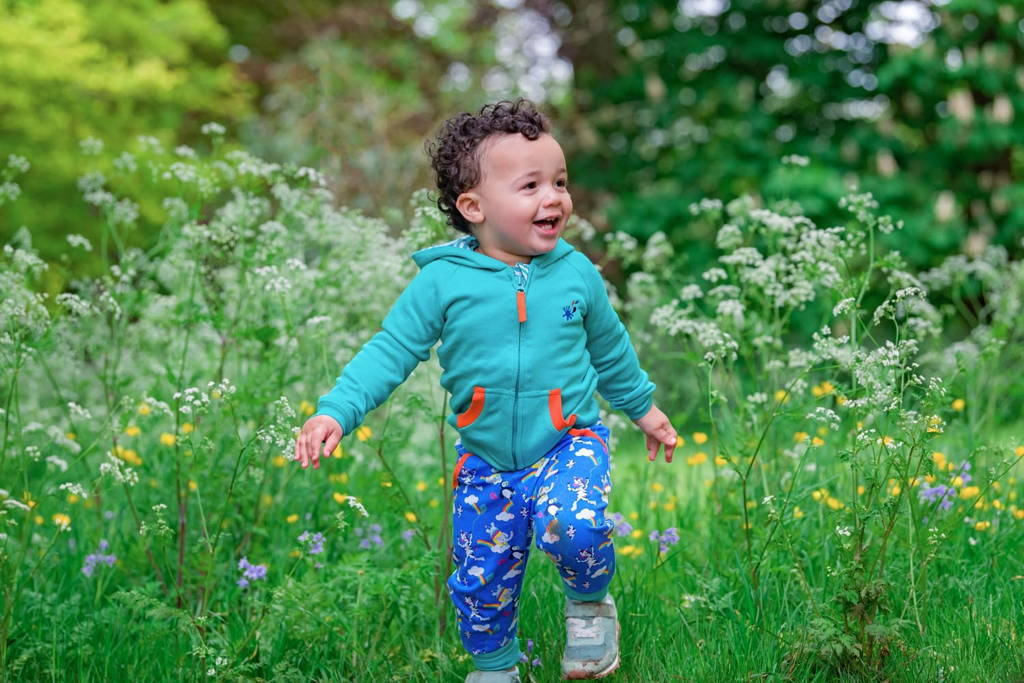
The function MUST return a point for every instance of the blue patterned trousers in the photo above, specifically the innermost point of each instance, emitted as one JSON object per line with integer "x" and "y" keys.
{"x": 563, "y": 497}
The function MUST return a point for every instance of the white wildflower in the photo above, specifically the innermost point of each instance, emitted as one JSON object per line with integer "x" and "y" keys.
{"x": 76, "y": 240}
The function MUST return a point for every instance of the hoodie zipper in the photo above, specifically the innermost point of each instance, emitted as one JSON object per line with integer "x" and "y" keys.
{"x": 521, "y": 282}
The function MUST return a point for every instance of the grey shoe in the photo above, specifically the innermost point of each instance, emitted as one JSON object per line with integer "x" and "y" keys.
{"x": 507, "y": 676}
{"x": 592, "y": 639}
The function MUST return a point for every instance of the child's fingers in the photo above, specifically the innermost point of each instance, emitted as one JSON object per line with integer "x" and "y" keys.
{"x": 670, "y": 446}
{"x": 652, "y": 448}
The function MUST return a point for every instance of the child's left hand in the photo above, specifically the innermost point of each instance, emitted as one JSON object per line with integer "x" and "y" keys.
{"x": 659, "y": 431}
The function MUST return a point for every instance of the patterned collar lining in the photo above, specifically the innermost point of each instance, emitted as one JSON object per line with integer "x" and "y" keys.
{"x": 520, "y": 270}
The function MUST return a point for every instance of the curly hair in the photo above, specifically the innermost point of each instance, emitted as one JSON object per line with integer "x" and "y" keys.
{"x": 454, "y": 152}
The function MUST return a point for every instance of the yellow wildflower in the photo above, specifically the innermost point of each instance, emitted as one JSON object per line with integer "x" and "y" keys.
{"x": 657, "y": 486}
{"x": 782, "y": 396}
{"x": 860, "y": 490}
{"x": 797, "y": 512}
{"x": 187, "y": 428}
{"x": 697, "y": 458}
{"x": 279, "y": 461}
{"x": 1019, "y": 451}
{"x": 434, "y": 502}
{"x": 636, "y": 533}
{"x": 958, "y": 404}
{"x": 73, "y": 498}
{"x": 340, "y": 497}
{"x": 671, "y": 505}
{"x": 834, "y": 503}
{"x": 958, "y": 481}
{"x": 411, "y": 516}
{"x": 364, "y": 433}
{"x": 132, "y": 430}
{"x": 1019, "y": 514}
{"x": 827, "y": 387}
{"x": 144, "y": 409}
{"x": 630, "y": 550}
{"x": 421, "y": 485}
{"x": 800, "y": 437}
{"x": 266, "y": 499}
{"x": 817, "y": 441}
{"x": 62, "y": 520}
{"x": 634, "y": 516}
{"x": 841, "y": 400}
{"x": 292, "y": 518}
{"x": 822, "y": 430}
{"x": 699, "y": 437}
{"x": 306, "y": 408}
{"x": 386, "y": 483}
{"x": 653, "y": 505}
{"x": 721, "y": 460}
{"x": 71, "y": 435}
{"x": 895, "y": 490}
{"x": 969, "y": 491}
{"x": 982, "y": 525}
{"x": 295, "y": 553}
{"x": 817, "y": 494}
{"x": 997, "y": 504}
{"x": 168, "y": 439}
{"x": 338, "y": 452}
{"x": 39, "y": 519}
{"x": 192, "y": 486}
{"x": 751, "y": 504}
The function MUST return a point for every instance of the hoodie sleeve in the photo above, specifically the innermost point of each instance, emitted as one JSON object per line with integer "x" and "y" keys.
{"x": 620, "y": 380}
{"x": 408, "y": 332}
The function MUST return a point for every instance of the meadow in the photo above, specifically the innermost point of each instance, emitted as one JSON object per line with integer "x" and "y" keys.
{"x": 845, "y": 503}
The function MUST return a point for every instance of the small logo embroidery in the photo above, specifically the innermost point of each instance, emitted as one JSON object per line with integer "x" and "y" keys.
{"x": 569, "y": 312}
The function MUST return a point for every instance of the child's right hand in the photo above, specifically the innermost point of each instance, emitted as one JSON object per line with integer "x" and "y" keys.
{"x": 318, "y": 430}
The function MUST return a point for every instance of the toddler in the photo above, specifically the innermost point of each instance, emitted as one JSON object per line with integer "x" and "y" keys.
{"x": 528, "y": 335}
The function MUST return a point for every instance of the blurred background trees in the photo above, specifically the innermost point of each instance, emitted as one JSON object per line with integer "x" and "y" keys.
{"x": 657, "y": 103}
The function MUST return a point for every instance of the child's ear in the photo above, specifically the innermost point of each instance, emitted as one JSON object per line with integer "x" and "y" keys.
{"x": 468, "y": 204}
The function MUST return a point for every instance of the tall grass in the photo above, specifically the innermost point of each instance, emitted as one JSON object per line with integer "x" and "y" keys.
{"x": 844, "y": 503}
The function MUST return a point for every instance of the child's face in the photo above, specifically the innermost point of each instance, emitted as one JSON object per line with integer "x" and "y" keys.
{"x": 522, "y": 182}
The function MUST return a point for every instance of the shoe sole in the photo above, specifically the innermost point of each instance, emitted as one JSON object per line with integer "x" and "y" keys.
{"x": 607, "y": 671}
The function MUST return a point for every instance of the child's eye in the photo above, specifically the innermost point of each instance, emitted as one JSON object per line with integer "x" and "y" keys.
{"x": 563, "y": 183}
{"x": 530, "y": 185}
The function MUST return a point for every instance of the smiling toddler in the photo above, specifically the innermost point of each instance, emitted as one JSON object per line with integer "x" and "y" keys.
{"x": 527, "y": 335}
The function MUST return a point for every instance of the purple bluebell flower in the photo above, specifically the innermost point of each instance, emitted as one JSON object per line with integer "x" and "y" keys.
{"x": 942, "y": 493}
{"x": 525, "y": 657}
{"x": 253, "y": 572}
{"x": 962, "y": 472}
{"x": 372, "y": 533}
{"x": 408, "y": 535}
{"x": 665, "y": 540}
{"x": 314, "y": 542}
{"x": 622, "y": 527}
{"x": 93, "y": 559}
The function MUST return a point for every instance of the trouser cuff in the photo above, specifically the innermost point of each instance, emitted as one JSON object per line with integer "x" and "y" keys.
{"x": 587, "y": 597}
{"x": 504, "y": 658}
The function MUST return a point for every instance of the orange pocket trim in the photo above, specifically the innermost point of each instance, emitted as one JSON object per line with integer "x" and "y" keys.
{"x": 476, "y": 406}
{"x": 555, "y": 408}
{"x": 458, "y": 468}
{"x": 521, "y": 303}
{"x": 591, "y": 433}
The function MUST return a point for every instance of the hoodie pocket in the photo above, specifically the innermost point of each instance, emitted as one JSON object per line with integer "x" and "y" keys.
{"x": 558, "y": 420}
{"x": 476, "y": 406}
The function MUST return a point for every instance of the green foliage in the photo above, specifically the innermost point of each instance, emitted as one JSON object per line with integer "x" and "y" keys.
{"x": 102, "y": 71}
{"x": 688, "y": 103}
{"x": 151, "y": 414}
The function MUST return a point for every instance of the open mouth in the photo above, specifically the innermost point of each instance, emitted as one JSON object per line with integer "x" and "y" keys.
{"x": 547, "y": 223}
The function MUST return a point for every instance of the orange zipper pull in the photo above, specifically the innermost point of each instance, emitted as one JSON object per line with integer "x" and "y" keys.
{"x": 521, "y": 302}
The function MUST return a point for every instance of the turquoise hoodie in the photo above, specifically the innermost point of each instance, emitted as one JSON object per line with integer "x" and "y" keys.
{"x": 522, "y": 350}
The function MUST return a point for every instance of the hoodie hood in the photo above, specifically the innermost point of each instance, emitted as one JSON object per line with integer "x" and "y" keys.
{"x": 459, "y": 252}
